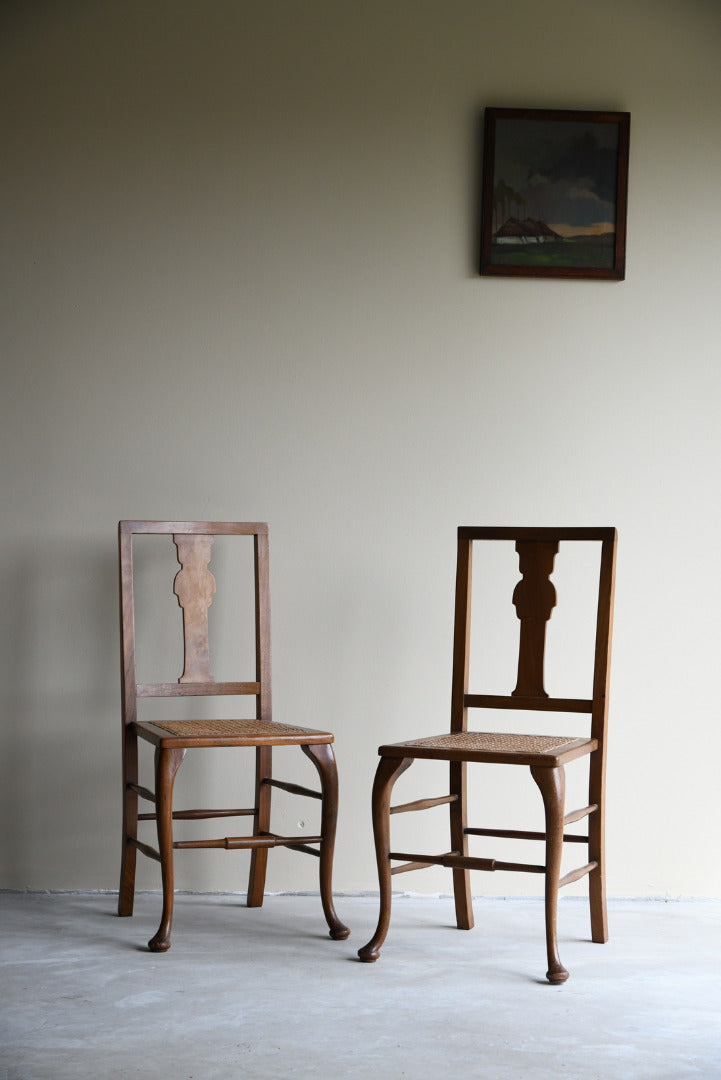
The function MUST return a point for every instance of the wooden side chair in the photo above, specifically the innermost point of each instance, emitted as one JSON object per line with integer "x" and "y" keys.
{"x": 534, "y": 597}
{"x": 194, "y": 586}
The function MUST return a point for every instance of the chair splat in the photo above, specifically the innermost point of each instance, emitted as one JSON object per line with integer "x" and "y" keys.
{"x": 534, "y": 599}
{"x": 194, "y": 587}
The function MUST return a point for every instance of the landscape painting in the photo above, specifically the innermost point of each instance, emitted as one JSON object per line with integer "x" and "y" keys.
{"x": 554, "y": 193}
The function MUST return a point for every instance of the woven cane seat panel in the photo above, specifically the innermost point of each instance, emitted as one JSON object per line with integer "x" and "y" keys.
{"x": 233, "y": 729}
{"x": 492, "y": 742}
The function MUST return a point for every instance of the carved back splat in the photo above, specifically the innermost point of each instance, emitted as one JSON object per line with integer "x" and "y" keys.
{"x": 534, "y": 598}
{"x": 194, "y": 587}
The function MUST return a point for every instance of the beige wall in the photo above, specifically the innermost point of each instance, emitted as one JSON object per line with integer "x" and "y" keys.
{"x": 238, "y": 282}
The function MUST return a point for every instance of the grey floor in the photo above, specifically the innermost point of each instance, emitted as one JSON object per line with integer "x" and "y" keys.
{"x": 265, "y": 993}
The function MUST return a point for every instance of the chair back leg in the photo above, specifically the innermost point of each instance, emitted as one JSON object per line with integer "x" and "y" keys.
{"x": 459, "y": 843}
{"x": 126, "y": 891}
{"x": 597, "y": 852}
{"x": 261, "y": 824}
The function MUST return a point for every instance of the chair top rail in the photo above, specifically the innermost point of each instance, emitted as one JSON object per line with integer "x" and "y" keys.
{"x": 480, "y": 532}
{"x": 216, "y": 528}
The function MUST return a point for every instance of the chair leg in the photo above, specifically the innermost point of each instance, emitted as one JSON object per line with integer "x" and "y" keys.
{"x": 323, "y": 758}
{"x": 551, "y": 782}
{"x": 459, "y": 843}
{"x": 261, "y": 824}
{"x": 126, "y": 890}
{"x": 167, "y": 763}
{"x": 388, "y": 771}
{"x": 597, "y": 854}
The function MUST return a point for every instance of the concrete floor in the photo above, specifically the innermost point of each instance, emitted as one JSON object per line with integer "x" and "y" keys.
{"x": 265, "y": 993}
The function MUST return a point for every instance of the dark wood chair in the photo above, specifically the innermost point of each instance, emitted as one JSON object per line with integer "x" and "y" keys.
{"x": 534, "y": 598}
{"x": 194, "y": 586}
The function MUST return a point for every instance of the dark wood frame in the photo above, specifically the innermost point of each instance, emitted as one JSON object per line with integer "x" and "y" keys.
{"x": 615, "y": 272}
{"x": 536, "y": 548}
{"x": 171, "y": 741}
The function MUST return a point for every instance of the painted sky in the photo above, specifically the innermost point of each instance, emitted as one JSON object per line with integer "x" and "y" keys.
{"x": 565, "y": 172}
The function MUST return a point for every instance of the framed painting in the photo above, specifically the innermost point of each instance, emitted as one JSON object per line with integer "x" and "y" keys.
{"x": 555, "y": 186}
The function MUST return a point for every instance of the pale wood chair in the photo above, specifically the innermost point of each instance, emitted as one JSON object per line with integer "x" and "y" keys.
{"x": 194, "y": 586}
{"x": 534, "y": 597}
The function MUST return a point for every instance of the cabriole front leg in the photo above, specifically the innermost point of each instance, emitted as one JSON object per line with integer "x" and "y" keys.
{"x": 388, "y": 771}
{"x": 551, "y": 782}
{"x": 167, "y": 763}
{"x": 323, "y": 758}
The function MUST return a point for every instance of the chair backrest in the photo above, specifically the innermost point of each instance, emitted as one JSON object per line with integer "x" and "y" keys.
{"x": 194, "y": 586}
{"x": 534, "y": 598}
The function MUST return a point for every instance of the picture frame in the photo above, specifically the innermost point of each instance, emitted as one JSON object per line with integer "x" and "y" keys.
{"x": 555, "y": 188}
